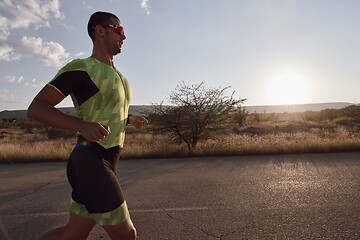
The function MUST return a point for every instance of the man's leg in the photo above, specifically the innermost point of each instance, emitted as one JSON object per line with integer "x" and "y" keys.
{"x": 122, "y": 231}
{"x": 77, "y": 228}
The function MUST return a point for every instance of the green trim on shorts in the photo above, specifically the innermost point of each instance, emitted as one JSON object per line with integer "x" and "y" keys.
{"x": 113, "y": 217}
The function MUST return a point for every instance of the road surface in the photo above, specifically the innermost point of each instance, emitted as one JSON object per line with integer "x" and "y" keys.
{"x": 310, "y": 196}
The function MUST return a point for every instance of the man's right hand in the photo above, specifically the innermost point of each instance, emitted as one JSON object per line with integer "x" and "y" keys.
{"x": 94, "y": 132}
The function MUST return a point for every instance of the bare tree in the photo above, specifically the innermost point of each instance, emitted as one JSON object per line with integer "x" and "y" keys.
{"x": 195, "y": 110}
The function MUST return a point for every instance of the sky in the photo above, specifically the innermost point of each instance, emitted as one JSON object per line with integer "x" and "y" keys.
{"x": 267, "y": 51}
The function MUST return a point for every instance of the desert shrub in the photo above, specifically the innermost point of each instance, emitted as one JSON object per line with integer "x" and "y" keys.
{"x": 6, "y": 123}
{"x": 352, "y": 112}
{"x": 349, "y": 123}
{"x": 196, "y": 111}
{"x": 55, "y": 133}
{"x": 323, "y": 115}
{"x": 240, "y": 116}
{"x": 254, "y": 118}
{"x": 28, "y": 124}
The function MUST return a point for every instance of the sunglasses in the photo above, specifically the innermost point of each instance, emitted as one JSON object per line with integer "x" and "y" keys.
{"x": 118, "y": 29}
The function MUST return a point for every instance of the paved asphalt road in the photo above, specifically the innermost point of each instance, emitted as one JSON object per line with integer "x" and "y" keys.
{"x": 313, "y": 196}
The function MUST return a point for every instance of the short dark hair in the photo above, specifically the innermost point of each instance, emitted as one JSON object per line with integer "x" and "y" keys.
{"x": 98, "y": 18}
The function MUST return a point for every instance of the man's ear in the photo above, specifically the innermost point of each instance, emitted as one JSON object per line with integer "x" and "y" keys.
{"x": 99, "y": 31}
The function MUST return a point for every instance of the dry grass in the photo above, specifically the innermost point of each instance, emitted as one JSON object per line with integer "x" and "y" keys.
{"x": 265, "y": 141}
{"x": 275, "y": 143}
{"x": 16, "y": 145}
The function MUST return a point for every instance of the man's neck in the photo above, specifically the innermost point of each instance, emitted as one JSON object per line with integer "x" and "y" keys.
{"x": 103, "y": 58}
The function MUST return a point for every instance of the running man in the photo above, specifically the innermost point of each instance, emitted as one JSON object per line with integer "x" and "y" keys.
{"x": 101, "y": 96}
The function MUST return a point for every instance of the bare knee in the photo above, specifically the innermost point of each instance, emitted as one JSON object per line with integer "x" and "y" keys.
{"x": 131, "y": 235}
{"x": 123, "y": 231}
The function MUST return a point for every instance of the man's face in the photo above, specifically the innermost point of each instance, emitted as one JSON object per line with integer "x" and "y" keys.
{"x": 114, "y": 40}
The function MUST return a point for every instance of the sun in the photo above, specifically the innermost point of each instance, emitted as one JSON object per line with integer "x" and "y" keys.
{"x": 288, "y": 88}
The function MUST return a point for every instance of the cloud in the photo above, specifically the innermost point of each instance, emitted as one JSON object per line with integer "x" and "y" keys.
{"x": 4, "y": 22}
{"x": 21, "y": 80}
{"x": 4, "y": 35}
{"x": 7, "y": 53}
{"x": 77, "y": 55}
{"x": 35, "y": 84}
{"x": 145, "y": 5}
{"x": 13, "y": 79}
{"x": 13, "y": 97}
{"x": 26, "y": 13}
{"x": 50, "y": 53}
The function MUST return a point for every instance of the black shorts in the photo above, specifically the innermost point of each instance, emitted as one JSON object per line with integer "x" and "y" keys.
{"x": 91, "y": 174}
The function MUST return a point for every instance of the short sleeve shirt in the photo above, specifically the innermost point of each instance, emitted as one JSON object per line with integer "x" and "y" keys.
{"x": 99, "y": 92}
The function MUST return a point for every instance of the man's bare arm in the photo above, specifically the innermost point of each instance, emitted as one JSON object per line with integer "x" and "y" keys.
{"x": 43, "y": 110}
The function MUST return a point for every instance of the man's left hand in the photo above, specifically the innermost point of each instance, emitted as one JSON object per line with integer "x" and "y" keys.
{"x": 137, "y": 121}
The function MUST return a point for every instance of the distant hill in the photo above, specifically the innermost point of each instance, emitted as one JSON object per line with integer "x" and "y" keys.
{"x": 138, "y": 109}
{"x": 315, "y": 107}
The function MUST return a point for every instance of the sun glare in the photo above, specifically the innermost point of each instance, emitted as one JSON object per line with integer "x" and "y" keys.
{"x": 288, "y": 88}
